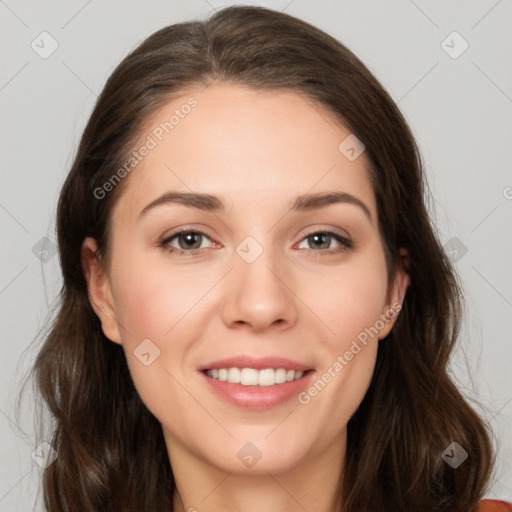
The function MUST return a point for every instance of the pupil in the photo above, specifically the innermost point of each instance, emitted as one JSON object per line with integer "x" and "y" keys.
{"x": 317, "y": 238}
{"x": 190, "y": 243}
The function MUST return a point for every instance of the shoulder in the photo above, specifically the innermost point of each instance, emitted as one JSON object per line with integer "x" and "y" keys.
{"x": 494, "y": 506}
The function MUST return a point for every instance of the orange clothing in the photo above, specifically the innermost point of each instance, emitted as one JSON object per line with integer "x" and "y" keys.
{"x": 494, "y": 506}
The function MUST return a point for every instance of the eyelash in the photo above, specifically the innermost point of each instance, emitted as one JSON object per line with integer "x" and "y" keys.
{"x": 346, "y": 244}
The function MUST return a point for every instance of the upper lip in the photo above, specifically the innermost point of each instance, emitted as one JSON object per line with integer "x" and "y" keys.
{"x": 258, "y": 363}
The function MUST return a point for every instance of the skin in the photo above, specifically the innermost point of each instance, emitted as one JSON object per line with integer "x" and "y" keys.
{"x": 258, "y": 151}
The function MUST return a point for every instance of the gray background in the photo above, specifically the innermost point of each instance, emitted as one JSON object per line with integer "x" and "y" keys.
{"x": 460, "y": 110}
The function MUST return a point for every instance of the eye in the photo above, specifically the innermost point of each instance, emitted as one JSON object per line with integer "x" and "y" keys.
{"x": 321, "y": 242}
{"x": 190, "y": 242}
{"x": 185, "y": 242}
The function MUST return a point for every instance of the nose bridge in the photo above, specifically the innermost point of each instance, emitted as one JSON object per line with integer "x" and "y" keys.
{"x": 258, "y": 294}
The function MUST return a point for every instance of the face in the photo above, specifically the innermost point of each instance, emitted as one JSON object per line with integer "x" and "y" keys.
{"x": 230, "y": 260}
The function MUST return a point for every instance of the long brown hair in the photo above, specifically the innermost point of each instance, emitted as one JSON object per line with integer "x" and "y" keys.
{"x": 111, "y": 451}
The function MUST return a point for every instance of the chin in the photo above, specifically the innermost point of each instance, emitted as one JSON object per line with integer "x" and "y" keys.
{"x": 258, "y": 457}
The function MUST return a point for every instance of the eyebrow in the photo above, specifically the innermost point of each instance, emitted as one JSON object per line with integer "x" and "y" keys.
{"x": 212, "y": 203}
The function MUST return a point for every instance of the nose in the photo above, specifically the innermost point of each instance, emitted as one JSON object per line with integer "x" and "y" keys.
{"x": 259, "y": 295}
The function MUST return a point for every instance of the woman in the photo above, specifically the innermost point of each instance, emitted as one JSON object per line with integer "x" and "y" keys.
{"x": 256, "y": 312}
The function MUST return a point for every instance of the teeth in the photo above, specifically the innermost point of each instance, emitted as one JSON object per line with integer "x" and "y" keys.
{"x": 280, "y": 376}
{"x": 252, "y": 377}
{"x": 234, "y": 375}
{"x": 249, "y": 377}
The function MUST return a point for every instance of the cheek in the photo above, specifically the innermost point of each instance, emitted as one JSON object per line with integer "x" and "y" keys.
{"x": 157, "y": 302}
{"x": 149, "y": 305}
{"x": 152, "y": 298}
{"x": 350, "y": 305}
{"x": 348, "y": 301}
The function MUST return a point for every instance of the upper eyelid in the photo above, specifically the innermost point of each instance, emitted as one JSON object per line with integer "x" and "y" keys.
{"x": 306, "y": 232}
{"x": 184, "y": 231}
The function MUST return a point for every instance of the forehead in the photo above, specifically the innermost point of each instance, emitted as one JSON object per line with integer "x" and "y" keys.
{"x": 250, "y": 146}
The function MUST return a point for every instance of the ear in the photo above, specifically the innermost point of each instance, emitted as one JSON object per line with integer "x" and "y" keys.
{"x": 396, "y": 295}
{"x": 100, "y": 293}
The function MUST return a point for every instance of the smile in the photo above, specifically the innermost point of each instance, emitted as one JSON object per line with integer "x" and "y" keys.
{"x": 253, "y": 377}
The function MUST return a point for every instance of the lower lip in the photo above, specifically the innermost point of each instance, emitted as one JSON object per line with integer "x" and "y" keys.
{"x": 258, "y": 397}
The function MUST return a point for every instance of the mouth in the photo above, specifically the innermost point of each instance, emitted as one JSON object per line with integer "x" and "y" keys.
{"x": 254, "y": 377}
{"x": 256, "y": 383}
